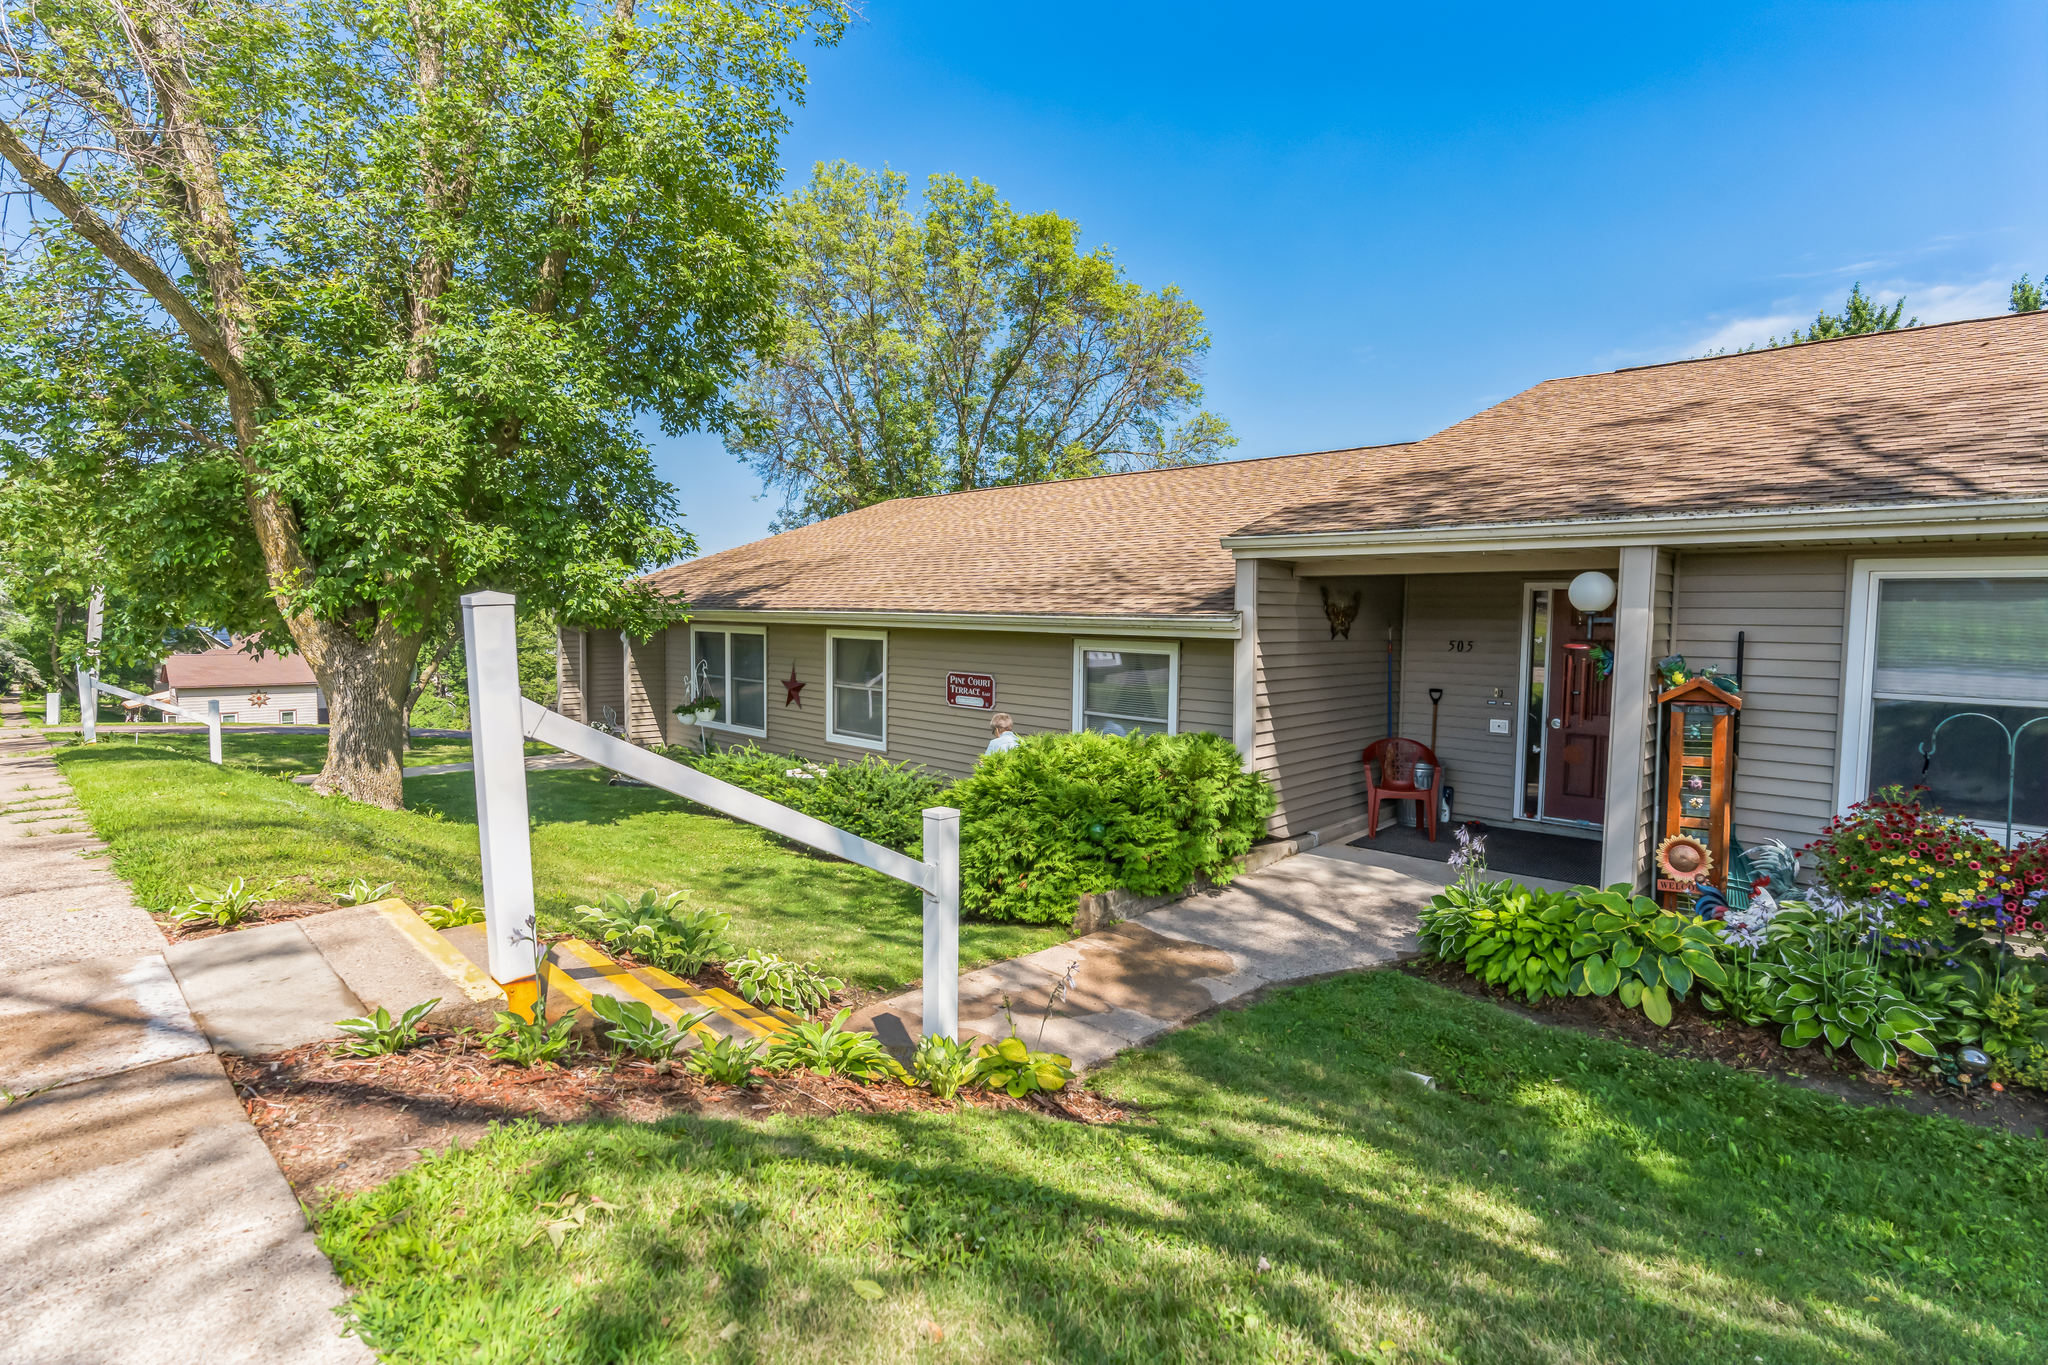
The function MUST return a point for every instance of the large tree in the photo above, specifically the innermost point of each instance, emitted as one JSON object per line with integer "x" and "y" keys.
{"x": 333, "y": 309}
{"x": 1860, "y": 314}
{"x": 963, "y": 347}
{"x": 2027, "y": 296}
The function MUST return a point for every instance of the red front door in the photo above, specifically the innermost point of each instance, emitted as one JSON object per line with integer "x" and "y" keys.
{"x": 1581, "y": 688}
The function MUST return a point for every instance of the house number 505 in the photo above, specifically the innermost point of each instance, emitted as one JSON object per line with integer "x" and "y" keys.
{"x": 1463, "y": 646}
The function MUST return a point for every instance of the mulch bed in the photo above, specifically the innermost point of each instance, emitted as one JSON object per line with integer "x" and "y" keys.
{"x": 1912, "y": 1084}
{"x": 338, "y": 1124}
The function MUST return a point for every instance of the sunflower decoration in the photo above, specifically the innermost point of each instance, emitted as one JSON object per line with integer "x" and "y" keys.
{"x": 1683, "y": 858}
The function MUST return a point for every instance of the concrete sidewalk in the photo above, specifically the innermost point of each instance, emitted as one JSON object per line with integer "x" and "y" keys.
{"x": 144, "y": 1219}
{"x": 1327, "y": 910}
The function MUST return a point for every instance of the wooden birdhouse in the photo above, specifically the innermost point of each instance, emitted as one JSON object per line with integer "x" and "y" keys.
{"x": 1699, "y": 798}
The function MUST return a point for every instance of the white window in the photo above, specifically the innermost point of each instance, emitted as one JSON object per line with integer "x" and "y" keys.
{"x": 732, "y": 665}
{"x": 856, "y": 686}
{"x": 227, "y": 717}
{"x": 1123, "y": 687}
{"x": 1958, "y": 646}
{"x": 287, "y": 718}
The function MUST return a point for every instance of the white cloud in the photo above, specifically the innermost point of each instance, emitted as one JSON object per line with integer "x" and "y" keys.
{"x": 1737, "y": 333}
{"x": 1953, "y": 302}
{"x": 1931, "y": 303}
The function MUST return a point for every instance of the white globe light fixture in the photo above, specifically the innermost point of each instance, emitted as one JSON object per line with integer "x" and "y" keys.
{"x": 1592, "y": 591}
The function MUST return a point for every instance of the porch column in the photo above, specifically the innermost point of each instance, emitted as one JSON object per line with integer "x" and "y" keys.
{"x": 1621, "y": 835}
{"x": 1244, "y": 664}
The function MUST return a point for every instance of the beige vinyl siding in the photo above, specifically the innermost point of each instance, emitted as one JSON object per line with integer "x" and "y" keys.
{"x": 1034, "y": 676}
{"x": 1485, "y": 609}
{"x": 301, "y": 699}
{"x": 647, "y": 671}
{"x": 607, "y": 677}
{"x": 1320, "y": 701}
{"x": 1791, "y": 606}
{"x": 569, "y": 672}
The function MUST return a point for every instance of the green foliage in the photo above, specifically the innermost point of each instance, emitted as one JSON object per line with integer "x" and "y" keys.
{"x": 659, "y": 930}
{"x": 794, "y": 986}
{"x": 362, "y": 891}
{"x": 378, "y": 1034}
{"x": 725, "y": 1060}
{"x": 872, "y": 797}
{"x": 631, "y": 1026}
{"x": 1860, "y": 314}
{"x": 2027, "y": 295}
{"x": 943, "y": 1064}
{"x": 226, "y": 905}
{"x": 1630, "y": 947}
{"x": 830, "y": 1049}
{"x": 1998, "y": 1006}
{"x": 970, "y": 347}
{"x": 1017, "y": 1070}
{"x": 1746, "y": 994}
{"x": 1826, "y": 984}
{"x": 1512, "y": 936}
{"x": 1065, "y": 814}
{"x": 529, "y": 1040}
{"x": 459, "y": 910}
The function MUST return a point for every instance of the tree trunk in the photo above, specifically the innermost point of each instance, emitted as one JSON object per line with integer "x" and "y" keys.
{"x": 366, "y": 682}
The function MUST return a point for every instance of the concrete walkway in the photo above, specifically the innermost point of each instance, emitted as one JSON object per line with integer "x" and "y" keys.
{"x": 1326, "y": 910}
{"x": 144, "y": 1220}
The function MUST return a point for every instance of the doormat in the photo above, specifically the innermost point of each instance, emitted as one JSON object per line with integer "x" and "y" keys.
{"x": 1512, "y": 852}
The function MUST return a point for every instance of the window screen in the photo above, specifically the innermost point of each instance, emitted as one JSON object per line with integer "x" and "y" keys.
{"x": 857, "y": 688}
{"x": 1124, "y": 692}
{"x": 1947, "y": 646}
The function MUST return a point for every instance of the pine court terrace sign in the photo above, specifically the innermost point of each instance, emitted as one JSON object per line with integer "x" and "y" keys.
{"x": 974, "y": 691}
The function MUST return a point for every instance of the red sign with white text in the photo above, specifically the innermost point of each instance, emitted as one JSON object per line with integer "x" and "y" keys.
{"x": 975, "y": 691}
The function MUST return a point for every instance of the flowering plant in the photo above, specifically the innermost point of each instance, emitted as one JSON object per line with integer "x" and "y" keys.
{"x": 1930, "y": 877}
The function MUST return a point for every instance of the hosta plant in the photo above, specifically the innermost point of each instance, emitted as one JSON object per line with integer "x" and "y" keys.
{"x": 659, "y": 930}
{"x": 631, "y": 1026}
{"x": 1511, "y": 936}
{"x": 455, "y": 913}
{"x": 525, "y": 1040}
{"x": 794, "y": 986}
{"x": 225, "y": 905}
{"x": 361, "y": 891}
{"x": 1826, "y": 984}
{"x": 943, "y": 1064}
{"x": 724, "y": 1060}
{"x": 1746, "y": 995}
{"x": 1646, "y": 956}
{"x": 379, "y": 1035}
{"x": 1995, "y": 1005}
{"x": 1017, "y": 1071}
{"x": 834, "y": 1050}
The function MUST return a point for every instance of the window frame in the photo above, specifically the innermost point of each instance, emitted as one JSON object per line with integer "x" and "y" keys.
{"x": 1859, "y": 654}
{"x": 728, "y": 631}
{"x": 288, "y": 717}
{"x": 832, "y": 731}
{"x": 1170, "y": 648}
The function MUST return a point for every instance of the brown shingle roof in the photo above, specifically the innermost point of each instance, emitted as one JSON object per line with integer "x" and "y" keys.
{"x": 1929, "y": 414}
{"x": 233, "y": 668}
{"x": 1117, "y": 545}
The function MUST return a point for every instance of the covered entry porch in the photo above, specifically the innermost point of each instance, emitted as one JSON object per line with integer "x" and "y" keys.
{"x": 1536, "y": 708}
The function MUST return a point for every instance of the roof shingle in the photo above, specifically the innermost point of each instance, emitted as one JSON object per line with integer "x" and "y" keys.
{"x": 233, "y": 668}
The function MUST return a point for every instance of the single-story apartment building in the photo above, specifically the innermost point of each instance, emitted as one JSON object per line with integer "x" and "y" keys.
{"x": 1861, "y": 525}
{"x": 261, "y": 688}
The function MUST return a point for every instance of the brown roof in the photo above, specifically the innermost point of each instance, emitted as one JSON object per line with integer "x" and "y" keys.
{"x": 1118, "y": 545}
{"x": 1957, "y": 411}
{"x": 233, "y": 668}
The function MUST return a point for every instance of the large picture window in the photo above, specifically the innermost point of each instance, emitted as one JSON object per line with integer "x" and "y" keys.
{"x": 732, "y": 665}
{"x": 857, "y": 679}
{"x": 1931, "y": 643}
{"x": 1124, "y": 687}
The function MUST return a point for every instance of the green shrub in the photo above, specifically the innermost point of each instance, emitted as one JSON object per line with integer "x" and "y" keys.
{"x": 1646, "y": 954}
{"x": 659, "y": 930}
{"x": 874, "y": 798}
{"x": 1512, "y": 936}
{"x": 943, "y": 1064}
{"x": 793, "y": 986}
{"x": 1017, "y": 1071}
{"x": 724, "y": 1060}
{"x": 1063, "y": 815}
{"x": 379, "y": 1035}
{"x": 834, "y": 1050}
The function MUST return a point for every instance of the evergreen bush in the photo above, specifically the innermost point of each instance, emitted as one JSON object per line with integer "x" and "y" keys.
{"x": 873, "y": 798}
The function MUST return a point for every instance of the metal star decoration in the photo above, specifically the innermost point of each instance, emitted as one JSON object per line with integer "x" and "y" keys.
{"x": 795, "y": 690}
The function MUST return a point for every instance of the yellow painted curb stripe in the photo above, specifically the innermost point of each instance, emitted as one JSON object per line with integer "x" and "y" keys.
{"x": 669, "y": 996}
{"x": 595, "y": 961}
{"x": 474, "y": 981}
{"x": 767, "y": 1022}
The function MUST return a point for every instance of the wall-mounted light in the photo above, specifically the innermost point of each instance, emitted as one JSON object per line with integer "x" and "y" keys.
{"x": 1591, "y": 591}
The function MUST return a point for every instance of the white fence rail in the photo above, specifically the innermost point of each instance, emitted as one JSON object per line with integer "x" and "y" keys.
{"x": 89, "y": 704}
{"x": 500, "y": 723}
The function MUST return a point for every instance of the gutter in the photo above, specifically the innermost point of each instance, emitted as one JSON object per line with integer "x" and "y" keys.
{"x": 1220, "y": 626}
{"x": 1939, "y": 520}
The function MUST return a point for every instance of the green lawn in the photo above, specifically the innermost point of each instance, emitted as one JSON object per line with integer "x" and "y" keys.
{"x": 173, "y": 819}
{"x": 1558, "y": 1199}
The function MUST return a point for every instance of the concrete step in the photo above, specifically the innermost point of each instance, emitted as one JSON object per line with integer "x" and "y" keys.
{"x": 392, "y": 959}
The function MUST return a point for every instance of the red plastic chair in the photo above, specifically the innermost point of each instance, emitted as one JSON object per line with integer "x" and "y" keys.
{"x": 1390, "y": 776}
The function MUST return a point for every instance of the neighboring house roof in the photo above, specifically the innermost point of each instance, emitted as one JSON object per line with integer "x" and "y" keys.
{"x": 232, "y": 668}
{"x": 1144, "y": 544}
{"x": 1955, "y": 412}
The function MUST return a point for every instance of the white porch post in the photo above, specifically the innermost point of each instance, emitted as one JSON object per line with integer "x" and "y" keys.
{"x": 1244, "y": 664}
{"x": 1629, "y": 719}
{"x": 942, "y": 924}
{"x": 490, "y": 638}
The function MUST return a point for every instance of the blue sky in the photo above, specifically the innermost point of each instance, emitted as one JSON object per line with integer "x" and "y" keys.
{"x": 1394, "y": 217}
